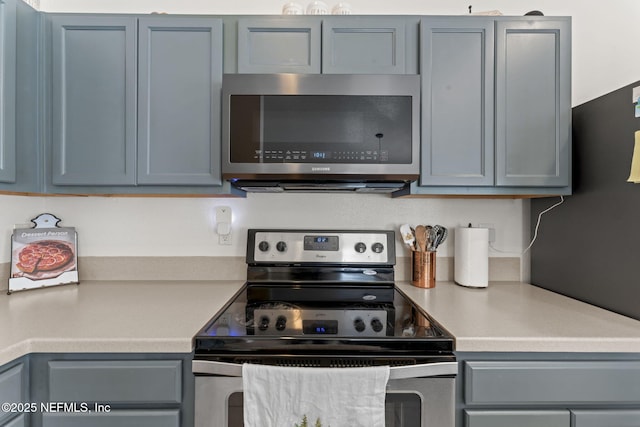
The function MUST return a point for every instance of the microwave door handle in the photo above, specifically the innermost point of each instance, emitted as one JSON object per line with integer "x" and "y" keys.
{"x": 396, "y": 372}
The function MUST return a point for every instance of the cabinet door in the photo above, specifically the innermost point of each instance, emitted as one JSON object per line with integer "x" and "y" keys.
{"x": 519, "y": 418}
{"x": 552, "y": 382}
{"x": 7, "y": 91}
{"x": 12, "y": 388}
{"x": 279, "y": 45}
{"x": 94, "y": 100}
{"x": 20, "y": 421}
{"x": 533, "y": 111}
{"x": 610, "y": 418}
{"x": 115, "y": 418}
{"x": 363, "y": 45}
{"x": 130, "y": 382}
{"x": 457, "y": 101}
{"x": 180, "y": 80}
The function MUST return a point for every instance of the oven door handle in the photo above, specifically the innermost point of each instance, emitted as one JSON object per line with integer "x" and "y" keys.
{"x": 209, "y": 367}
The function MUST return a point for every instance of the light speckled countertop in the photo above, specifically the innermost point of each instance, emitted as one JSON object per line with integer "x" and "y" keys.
{"x": 119, "y": 316}
{"x": 163, "y": 316}
{"x": 512, "y": 316}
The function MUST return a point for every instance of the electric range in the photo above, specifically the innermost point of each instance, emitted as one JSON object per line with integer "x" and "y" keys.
{"x": 322, "y": 298}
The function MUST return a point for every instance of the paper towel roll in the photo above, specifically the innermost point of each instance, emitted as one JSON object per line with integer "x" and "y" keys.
{"x": 471, "y": 257}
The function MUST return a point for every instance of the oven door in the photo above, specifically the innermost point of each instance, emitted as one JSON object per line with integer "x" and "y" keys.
{"x": 417, "y": 395}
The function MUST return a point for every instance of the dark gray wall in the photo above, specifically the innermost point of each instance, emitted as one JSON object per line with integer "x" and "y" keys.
{"x": 589, "y": 247}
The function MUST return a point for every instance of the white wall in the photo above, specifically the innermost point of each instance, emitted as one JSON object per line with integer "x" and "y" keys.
{"x": 126, "y": 226}
{"x": 605, "y": 53}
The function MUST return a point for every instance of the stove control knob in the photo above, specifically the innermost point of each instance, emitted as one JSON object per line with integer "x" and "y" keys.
{"x": 281, "y": 246}
{"x": 263, "y": 246}
{"x": 281, "y": 323}
{"x": 359, "y": 325}
{"x": 360, "y": 247}
{"x": 376, "y": 324}
{"x": 377, "y": 247}
{"x": 264, "y": 323}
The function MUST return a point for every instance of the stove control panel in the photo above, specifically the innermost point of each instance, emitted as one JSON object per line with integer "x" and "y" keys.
{"x": 313, "y": 246}
{"x": 297, "y": 322}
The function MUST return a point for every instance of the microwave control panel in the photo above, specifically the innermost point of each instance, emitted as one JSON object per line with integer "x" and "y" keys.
{"x": 303, "y": 156}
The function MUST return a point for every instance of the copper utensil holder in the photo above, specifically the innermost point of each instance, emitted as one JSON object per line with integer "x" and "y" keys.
{"x": 423, "y": 271}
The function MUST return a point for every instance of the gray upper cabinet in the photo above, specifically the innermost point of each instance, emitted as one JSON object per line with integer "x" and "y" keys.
{"x": 363, "y": 45}
{"x": 457, "y": 101}
{"x": 533, "y": 105}
{"x": 94, "y": 100}
{"x": 21, "y": 166}
{"x": 7, "y": 91}
{"x": 279, "y": 45}
{"x": 135, "y": 102}
{"x": 331, "y": 45}
{"x": 179, "y": 87}
{"x": 496, "y": 112}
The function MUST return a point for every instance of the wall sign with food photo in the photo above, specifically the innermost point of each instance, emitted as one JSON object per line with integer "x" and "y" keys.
{"x": 44, "y": 255}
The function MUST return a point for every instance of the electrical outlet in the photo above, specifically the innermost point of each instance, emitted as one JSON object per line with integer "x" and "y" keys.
{"x": 223, "y": 224}
{"x": 492, "y": 231}
{"x": 224, "y": 239}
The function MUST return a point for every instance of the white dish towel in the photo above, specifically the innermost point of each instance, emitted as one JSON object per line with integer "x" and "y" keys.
{"x": 315, "y": 397}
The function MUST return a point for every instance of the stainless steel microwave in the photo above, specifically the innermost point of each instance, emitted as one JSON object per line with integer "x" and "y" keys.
{"x": 323, "y": 131}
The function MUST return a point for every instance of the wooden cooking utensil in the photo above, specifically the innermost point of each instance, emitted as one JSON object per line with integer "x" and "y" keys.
{"x": 421, "y": 238}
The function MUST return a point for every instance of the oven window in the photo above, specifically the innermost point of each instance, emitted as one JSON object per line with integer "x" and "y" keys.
{"x": 402, "y": 410}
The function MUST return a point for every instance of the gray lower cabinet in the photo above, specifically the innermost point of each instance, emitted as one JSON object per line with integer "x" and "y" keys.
{"x": 7, "y": 91}
{"x": 517, "y": 418}
{"x": 114, "y": 390}
{"x": 135, "y": 102}
{"x": 115, "y": 418}
{"x": 574, "y": 391}
{"x": 116, "y": 382}
{"x": 606, "y": 417}
{"x": 551, "y": 382}
{"x": 20, "y": 421}
{"x": 121, "y": 393}
{"x": 13, "y": 390}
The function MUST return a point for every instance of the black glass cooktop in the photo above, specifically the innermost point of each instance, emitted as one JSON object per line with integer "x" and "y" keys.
{"x": 322, "y": 320}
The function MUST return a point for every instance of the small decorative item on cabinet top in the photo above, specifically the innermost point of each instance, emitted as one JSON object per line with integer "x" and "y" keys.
{"x": 292, "y": 8}
{"x": 44, "y": 255}
{"x": 317, "y": 8}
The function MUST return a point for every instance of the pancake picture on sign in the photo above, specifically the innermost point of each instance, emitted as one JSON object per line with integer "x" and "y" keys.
{"x": 44, "y": 255}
